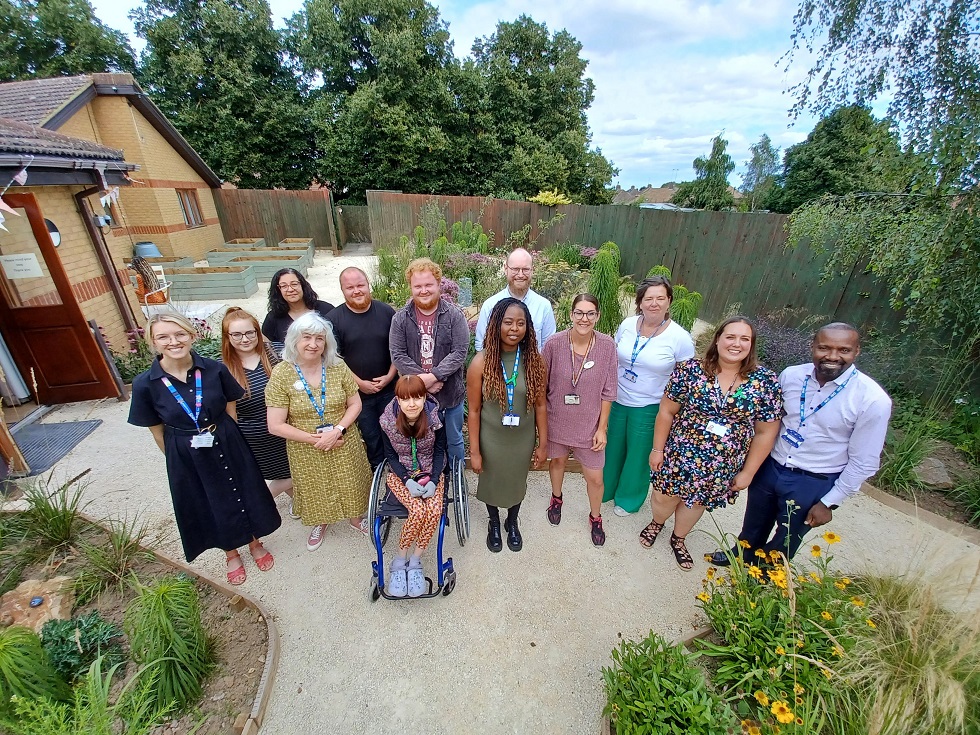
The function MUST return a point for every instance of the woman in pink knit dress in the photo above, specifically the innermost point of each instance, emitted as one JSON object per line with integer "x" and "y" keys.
{"x": 582, "y": 384}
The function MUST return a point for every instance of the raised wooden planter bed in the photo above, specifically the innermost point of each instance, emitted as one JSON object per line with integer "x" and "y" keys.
{"x": 295, "y": 242}
{"x": 246, "y": 242}
{"x": 223, "y": 256}
{"x": 212, "y": 284}
{"x": 169, "y": 261}
{"x": 265, "y": 268}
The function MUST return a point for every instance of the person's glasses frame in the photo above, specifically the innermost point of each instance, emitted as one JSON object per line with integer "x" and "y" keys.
{"x": 239, "y": 336}
{"x": 590, "y": 315}
{"x": 166, "y": 339}
{"x": 296, "y": 286}
{"x": 525, "y": 271}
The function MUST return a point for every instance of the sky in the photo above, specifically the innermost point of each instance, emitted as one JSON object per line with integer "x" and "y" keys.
{"x": 669, "y": 74}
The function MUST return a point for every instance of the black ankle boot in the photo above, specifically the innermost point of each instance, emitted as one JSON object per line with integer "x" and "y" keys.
{"x": 514, "y": 540}
{"x": 494, "y": 542}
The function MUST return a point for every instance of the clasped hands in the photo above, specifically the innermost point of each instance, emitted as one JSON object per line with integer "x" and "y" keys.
{"x": 327, "y": 440}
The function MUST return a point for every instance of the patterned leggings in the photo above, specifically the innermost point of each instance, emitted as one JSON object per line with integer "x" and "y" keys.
{"x": 423, "y": 514}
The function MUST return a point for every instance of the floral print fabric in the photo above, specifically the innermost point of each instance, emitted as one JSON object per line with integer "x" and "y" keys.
{"x": 699, "y": 465}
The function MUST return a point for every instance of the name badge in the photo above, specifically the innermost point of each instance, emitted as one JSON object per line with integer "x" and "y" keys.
{"x": 202, "y": 440}
{"x": 323, "y": 428}
{"x": 587, "y": 364}
{"x": 511, "y": 419}
{"x": 793, "y": 438}
{"x": 629, "y": 375}
{"x": 572, "y": 400}
{"x": 717, "y": 429}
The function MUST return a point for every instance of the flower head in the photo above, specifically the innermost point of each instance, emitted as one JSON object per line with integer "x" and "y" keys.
{"x": 780, "y": 651}
{"x": 782, "y": 711}
{"x": 857, "y": 602}
{"x": 797, "y": 689}
{"x": 815, "y": 552}
{"x": 744, "y": 544}
{"x": 703, "y": 596}
{"x": 761, "y": 698}
{"x": 755, "y": 572}
{"x": 831, "y": 538}
{"x": 761, "y": 554}
{"x": 754, "y": 730}
{"x": 871, "y": 624}
{"x": 826, "y": 615}
{"x": 827, "y": 673}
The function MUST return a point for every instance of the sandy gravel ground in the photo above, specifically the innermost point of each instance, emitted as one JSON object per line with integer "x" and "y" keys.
{"x": 519, "y": 645}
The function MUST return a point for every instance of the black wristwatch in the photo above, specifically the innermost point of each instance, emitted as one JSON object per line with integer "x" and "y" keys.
{"x": 343, "y": 429}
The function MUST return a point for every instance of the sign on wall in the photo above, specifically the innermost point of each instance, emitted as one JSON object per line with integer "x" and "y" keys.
{"x": 21, "y": 265}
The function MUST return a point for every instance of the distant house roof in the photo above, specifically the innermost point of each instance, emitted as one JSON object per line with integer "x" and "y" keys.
{"x": 49, "y": 103}
{"x": 645, "y": 195}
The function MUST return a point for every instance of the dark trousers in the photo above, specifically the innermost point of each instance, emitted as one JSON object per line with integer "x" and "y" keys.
{"x": 767, "y": 506}
{"x": 372, "y": 406}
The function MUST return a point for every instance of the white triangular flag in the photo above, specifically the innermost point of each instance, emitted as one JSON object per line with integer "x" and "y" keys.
{"x": 21, "y": 176}
{"x": 7, "y": 208}
{"x": 1, "y": 223}
{"x": 114, "y": 194}
{"x": 105, "y": 201}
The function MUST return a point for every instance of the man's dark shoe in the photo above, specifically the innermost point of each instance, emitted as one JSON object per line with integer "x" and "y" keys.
{"x": 514, "y": 540}
{"x": 720, "y": 558}
{"x": 494, "y": 542}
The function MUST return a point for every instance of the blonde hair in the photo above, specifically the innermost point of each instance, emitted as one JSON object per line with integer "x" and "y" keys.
{"x": 420, "y": 265}
{"x": 172, "y": 317}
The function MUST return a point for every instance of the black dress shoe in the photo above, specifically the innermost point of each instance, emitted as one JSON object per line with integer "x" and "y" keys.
{"x": 514, "y": 540}
{"x": 494, "y": 542}
{"x": 720, "y": 558}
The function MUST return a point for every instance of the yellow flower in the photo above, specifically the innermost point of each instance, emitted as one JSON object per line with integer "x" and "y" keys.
{"x": 761, "y": 698}
{"x": 780, "y": 651}
{"x": 840, "y": 585}
{"x": 799, "y": 644}
{"x": 782, "y": 711}
{"x": 797, "y": 689}
{"x": 744, "y": 544}
{"x": 871, "y": 624}
{"x": 838, "y": 651}
{"x": 815, "y": 552}
{"x": 703, "y": 596}
{"x": 845, "y": 580}
{"x": 815, "y": 577}
{"x": 857, "y": 602}
{"x": 826, "y": 615}
{"x": 775, "y": 555}
{"x": 830, "y": 537}
{"x": 754, "y": 730}
{"x": 710, "y": 574}
{"x": 755, "y": 572}
{"x": 761, "y": 554}
{"x": 827, "y": 673}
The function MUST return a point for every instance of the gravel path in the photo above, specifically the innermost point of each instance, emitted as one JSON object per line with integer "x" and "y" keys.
{"x": 518, "y": 646}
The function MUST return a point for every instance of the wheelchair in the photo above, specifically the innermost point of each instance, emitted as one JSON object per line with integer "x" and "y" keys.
{"x": 384, "y": 507}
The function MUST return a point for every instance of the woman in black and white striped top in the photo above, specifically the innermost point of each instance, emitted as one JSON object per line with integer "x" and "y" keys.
{"x": 250, "y": 359}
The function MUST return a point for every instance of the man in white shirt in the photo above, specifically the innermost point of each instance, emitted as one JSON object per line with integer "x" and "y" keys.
{"x": 520, "y": 272}
{"x": 830, "y": 442}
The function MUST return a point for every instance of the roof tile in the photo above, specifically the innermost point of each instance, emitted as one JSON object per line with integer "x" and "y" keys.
{"x": 35, "y": 100}
{"x": 18, "y": 137}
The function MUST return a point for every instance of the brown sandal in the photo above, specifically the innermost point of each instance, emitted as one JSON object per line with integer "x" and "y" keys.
{"x": 649, "y": 534}
{"x": 681, "y": 554}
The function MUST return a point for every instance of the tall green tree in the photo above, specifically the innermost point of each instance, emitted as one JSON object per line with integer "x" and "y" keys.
{"x": 923, "y": 234}
{"x": 215, "y": 67}
{"x": 760, "y": 173}
{"x": 847, "y": 151}
{"x": 710, "y": 189}
{"x": 538, "y": 94}
{"x": 51, "y": 38}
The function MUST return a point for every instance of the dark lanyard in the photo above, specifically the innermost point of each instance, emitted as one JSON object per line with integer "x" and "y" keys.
{"x": 803, "y": 415}
{"x": 576, "y": 376}
{"x": 198, "y": 396}
{"x": 320, "y": 409}
{"x": 511, "y": 382}
{"x": 719, "y": 398}
{"x": 636, "y": 352}
{"x": 415, "y": 456}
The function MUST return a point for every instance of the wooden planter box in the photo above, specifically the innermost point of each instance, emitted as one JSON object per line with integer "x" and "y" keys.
{"x": 211, "y": 284}
{"x": 222, "y": 256}
{"x": 295, "y": 242}
{"x": 168, "y": 261}
{"x": 265, "y": 267}
{"x": 246, "y": 242}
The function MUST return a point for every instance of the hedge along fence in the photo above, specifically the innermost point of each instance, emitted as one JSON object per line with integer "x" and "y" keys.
{"x": 730, "y": 257}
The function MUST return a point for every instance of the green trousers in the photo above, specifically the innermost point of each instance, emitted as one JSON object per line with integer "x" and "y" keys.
{"x": 626, "y": 475}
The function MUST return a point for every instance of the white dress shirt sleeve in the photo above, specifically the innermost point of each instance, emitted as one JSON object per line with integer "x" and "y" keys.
{"x": 863, "y": 451}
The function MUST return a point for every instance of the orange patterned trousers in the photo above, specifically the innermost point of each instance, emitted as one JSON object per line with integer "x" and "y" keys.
{"x": 423, "y": 514}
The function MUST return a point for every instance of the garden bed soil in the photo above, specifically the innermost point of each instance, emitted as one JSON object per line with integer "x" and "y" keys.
{"x": 238, "y": 631}
{"x": 939, "y": 501}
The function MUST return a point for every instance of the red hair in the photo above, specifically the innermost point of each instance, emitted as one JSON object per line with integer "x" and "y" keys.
{"x": 229, "y": 355}
{"x": 411, "y": 386}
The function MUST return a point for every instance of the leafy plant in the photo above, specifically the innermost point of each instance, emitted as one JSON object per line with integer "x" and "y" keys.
{"x": 604, "y": 285}
{"x": 72, "y": 645}
{"x": 110, "y": 563}
{"x": 654, "y": 689}
{"x": 138, "y": 357}
{"x": 163, "y": 624}
{"x": 25, "y": 670}
{"x": 550, "y": 198}
{"x": 53, "y": 515}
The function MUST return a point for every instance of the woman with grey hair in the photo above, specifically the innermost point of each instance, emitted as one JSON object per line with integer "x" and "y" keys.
{"x": 312, "y": 402}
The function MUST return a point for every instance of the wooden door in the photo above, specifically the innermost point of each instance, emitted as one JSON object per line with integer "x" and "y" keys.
{"x": 41, "y": 320}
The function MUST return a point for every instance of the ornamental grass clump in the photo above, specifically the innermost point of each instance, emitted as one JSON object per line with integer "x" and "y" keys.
{"x": 25, "y": 670}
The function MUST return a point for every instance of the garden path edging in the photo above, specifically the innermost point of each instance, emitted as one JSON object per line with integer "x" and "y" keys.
{"x": 912, "y": 510}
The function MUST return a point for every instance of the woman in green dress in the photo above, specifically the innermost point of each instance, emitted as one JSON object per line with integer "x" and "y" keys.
{"x": 506, "y": 389}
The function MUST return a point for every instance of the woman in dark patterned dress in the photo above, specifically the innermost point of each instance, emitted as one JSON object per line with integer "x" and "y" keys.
{"x": 250, "y": 359}
{"x": 718, "y": 421}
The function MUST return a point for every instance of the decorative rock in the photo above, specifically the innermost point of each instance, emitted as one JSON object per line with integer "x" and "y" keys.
{"x": 931, "y": 472}
{"x": 57, "y": 599}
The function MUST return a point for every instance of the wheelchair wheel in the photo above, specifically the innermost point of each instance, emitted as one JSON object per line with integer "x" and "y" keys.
{"x": 379, "y": 489}
{"x": 461, "y": 501}
{"x": 449, "y": 584}
{"x": 374, "y": 593}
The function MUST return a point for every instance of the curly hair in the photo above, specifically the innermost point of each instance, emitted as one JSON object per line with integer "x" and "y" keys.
{"x": 277, "y": 304}
{"x": 535, "y": 372}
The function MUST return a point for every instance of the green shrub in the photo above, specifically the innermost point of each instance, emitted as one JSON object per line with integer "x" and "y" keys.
{"x": 163, "y": 624}
{"x": 25, "y": 671}
{"x": 72, "y": 645}
{"x": 136, "y": 359}
{"x": 654, "y": 689}
{"x": 53, "y": 515}
{"x": 604, "y": 285}
{"x": 111, "y": 562}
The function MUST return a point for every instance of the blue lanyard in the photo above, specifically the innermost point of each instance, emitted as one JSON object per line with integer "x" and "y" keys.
{"x": 636, "y": 352}
{"x": 182, "y": 403}
{"x": 803, "y": 415}
{"x": 511, "y": 381}
{"x": 320, "y": 408}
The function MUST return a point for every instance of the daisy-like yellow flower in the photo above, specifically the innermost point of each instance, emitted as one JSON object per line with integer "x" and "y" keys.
{"x": 780, "y": 651}
{"x": 857, "y": 602}
{"x": 761, "y": 554}
{"x": 782, "y": 711}
{"x": 775, "y": 555}
{"x": 754, "y": 730}
{"x": 827, "y": 673}
{"x": 799, "y": 644}
{"x": 845, "y": 580}
{"x": 815, "y": 577}
{"x": 710, "y": 574}
{"x": 703, "y": 596}
{"x": 826, "y": 615}
{"x": 755, "y": 572}
{"x": 830, "y": 537}
{"x": 838, "y": 651}
{"x": 840, "y": 585}
{"x": 797, "y": 689}
{"x": 751, "y": 605}
{"x": 744, "y": 544}
{"x": 871, "y": 624}
{"x": 815, "y": 552}
{"x": 761, "y": 698}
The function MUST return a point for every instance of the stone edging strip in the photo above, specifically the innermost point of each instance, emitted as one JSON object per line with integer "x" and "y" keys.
{"x": 925, "y": 516}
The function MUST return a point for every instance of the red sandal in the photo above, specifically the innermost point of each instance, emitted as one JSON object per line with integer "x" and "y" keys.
{"x": 236, "y": 576}
{"x": 264, "y": 562}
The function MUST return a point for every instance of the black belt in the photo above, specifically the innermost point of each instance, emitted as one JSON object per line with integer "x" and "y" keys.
{"x": 180, "y": 430}
{"x": 797, "y": 470}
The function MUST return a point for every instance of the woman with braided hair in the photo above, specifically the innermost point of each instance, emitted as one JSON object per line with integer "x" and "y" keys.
{"x": 506, "y": 389}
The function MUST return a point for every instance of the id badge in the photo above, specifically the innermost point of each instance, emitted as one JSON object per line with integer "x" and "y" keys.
{"x": 511, "y": 420}
{"x": 717, "y": 429}
{"x": 323, "y": 428}
{"x": 202, "y": 440}
{"x": 629, "y": 375}
{"x": 572, "y": 400}
{"x": 793, "y": 438}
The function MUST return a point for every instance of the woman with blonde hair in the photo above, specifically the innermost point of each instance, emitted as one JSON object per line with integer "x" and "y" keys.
{"x": 188, "y": 403}
{"x": 312, "y": 403}
{"x": 250, "y": 359}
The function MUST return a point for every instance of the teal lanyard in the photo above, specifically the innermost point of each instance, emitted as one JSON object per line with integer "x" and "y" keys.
{"x": 804, "y": 416}
{"x": 320, "y": 408}
{"x": 510, "y": 382}
{"x": 636, "y": 342}
{"x": 198, "y": 397}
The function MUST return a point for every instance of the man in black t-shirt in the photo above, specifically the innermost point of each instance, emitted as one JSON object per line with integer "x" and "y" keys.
{"x": 361, "y": 326}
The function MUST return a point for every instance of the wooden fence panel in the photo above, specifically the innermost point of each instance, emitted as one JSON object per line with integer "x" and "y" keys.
{"x": 276, "y": 214}
{"x": 354, "y": 223}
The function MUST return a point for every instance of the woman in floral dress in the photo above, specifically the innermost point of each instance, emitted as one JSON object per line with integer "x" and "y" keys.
{"x": 718, "y": 421}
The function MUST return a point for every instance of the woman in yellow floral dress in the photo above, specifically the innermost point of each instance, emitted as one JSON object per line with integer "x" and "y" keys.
{"x": 312, "y": 403}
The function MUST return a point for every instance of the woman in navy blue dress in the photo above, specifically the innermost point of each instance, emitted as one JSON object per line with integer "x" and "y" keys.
{"x": 188, "y": 403}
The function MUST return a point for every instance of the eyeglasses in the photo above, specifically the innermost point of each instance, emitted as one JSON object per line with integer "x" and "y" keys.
{"x": 294, "y": 286}
{"x": 525, "y": 271}
{"x": 168, "y": 338}
{"x": 590, "y": 315}
{"x": 239, "y": 336}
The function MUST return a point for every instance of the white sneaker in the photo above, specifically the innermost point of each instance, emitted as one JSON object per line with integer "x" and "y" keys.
{"x": 622, "y": 512}
{"x": 293, "y": 515}
{"x": 316, "y": 538}
{"x": 416, "y": 582}
{"x": 397, "y": 583}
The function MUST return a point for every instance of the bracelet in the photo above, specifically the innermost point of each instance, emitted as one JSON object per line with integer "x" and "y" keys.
{"x": 661, "y": 451}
